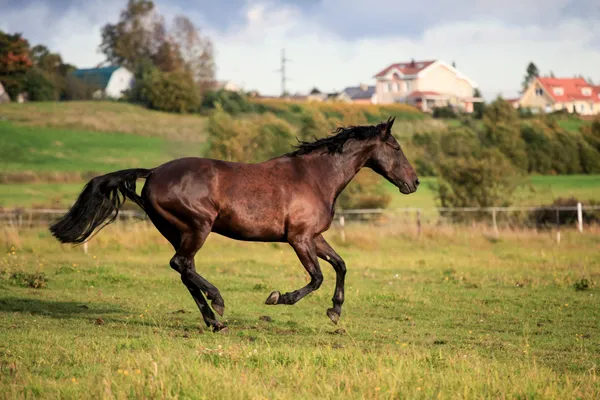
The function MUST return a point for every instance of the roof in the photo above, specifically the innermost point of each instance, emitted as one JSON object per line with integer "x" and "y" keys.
{"x": 571, "y": 89}
{"x": 96, "y": 76}
{"x": 358, "y": 92}
{"x": 406, "y": 68}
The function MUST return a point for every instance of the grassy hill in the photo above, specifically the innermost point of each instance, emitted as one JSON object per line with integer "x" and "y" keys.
{"x": 47, "y": 150}
{"x": 107, "y": 116}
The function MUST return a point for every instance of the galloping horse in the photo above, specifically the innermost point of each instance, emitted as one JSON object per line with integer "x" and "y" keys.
{"x": 290, "y": 198}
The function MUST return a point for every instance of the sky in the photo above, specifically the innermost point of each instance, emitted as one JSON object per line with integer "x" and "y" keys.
{"x": 333, "y": 44}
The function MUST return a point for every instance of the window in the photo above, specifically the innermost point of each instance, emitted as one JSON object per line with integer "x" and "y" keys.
{"x": 586, "y": 91}
{"x": 389, "y": 86}
{"x": 558, "y": 91}
{"x": 582, "y": 107}
{"x": 395, "y": 87}
{"x": 408, "y": 86}
{"x": 539, "y": 91}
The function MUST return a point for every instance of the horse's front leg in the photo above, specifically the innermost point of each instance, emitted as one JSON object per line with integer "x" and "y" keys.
{"x": 325, "y": 252}
{"x": 306, "y": 251}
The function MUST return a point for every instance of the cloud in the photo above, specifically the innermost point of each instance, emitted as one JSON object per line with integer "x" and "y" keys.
{"x": 337, "y": 43}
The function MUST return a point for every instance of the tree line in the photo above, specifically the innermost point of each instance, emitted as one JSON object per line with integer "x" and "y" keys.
{"x": 173, "y": 63}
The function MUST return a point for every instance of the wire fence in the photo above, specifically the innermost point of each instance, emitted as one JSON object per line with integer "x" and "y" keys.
{"x": 494, "y": 217}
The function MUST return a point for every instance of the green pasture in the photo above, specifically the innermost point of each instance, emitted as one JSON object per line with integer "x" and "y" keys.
{"x": 448, "y": 315}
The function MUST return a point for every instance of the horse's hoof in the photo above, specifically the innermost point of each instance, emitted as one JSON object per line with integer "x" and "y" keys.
{"x": 220, "y": 327}
{"x": 273, "y": 298}
{"x": 219, "y": 308}
{"x": 333, "y": 315}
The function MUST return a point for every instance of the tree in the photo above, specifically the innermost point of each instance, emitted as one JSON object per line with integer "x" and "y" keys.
{"x": 478, "y": 107}
{"x": 196, "y": 50}
{"x": 532, "y": 72}
{"x": 501, "y": 130}
{"x": 15, "y": 61}
{"x": 130, "y": 41}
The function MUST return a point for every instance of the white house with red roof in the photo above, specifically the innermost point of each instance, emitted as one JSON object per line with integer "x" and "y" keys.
{"x": 549, "y": 94}
{"x": 425, "y": 84}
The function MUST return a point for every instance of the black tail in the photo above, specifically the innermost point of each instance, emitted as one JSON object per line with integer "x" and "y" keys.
{"x": 99, "y": 201}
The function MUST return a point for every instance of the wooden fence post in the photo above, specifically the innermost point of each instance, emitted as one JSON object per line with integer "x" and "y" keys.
{"x": 557, "y": 225}
{"x": 343, "y": 232}
{"x": 496, "y": 233}
{"x": 579, "y": 217}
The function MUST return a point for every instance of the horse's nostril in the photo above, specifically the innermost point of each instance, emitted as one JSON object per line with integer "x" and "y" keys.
{"x": 417, "y": 182}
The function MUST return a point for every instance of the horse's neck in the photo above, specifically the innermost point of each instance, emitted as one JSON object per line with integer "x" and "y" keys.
{"x": 340, "y": 169}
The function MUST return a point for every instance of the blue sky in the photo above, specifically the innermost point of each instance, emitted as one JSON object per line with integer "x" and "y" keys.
{"x": 338, "y": 43}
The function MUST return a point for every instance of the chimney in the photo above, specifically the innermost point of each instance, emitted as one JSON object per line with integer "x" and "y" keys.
{"x": 412, "y": 63}
{"x": 453, "y": 64}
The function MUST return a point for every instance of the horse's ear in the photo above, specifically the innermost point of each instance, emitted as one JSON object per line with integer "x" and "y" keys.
{"x": 386, "y": 128}
{"x": 390, "y": 122}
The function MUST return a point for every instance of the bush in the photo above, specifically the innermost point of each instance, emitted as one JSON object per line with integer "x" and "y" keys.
{"x": 171, "y": 92}
{"x": 484, "y": 179}
{"x": 231, "y": 102}
{"x": 39, "y": 86}
{"x": 444, "y": 112}
{"x": 255, "y": 138}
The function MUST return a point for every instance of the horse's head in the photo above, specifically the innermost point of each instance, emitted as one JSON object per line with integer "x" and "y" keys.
{"x": 389, "y": 161}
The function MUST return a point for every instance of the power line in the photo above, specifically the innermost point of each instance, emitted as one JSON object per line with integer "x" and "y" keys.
{"x": 281, "y": 70}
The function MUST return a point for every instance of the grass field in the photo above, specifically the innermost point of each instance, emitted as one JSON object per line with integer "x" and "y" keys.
{"x": 60, "y": 150}
{"x": 449, "y": 315}
{"x": 107, "y": 116}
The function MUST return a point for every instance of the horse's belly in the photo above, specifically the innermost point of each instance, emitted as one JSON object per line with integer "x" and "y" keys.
{"x": 250, "y": 225}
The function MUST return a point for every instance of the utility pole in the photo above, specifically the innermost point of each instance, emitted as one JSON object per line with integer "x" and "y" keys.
{"x": 284, "y": 78}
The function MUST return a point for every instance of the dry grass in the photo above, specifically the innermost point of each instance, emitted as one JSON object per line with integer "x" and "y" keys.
{"x": 104, "y": 116}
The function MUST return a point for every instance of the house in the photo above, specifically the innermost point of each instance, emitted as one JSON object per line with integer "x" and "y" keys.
{"x": 338, "y": 97}
{"x": 547, "y": 94}
{"x": 4, "y": 97}
{"x": 514, "y": 102}
{"x": 426, "y": 85}
{"x": 316, "y": 95}
{"x": 362, "y": 94}
{"x": 226, "y": 85}
{"x": 110, "y": 82}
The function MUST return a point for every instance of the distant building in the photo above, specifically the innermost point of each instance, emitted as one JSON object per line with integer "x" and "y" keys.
{"x": 514, "y": 102}
{"x": 4, "y": 97}
{"x": 362, "y": 94}
{"x": 226, "y": 85}
{"x": 110, "y": 82}
{"x": 547, "y": 94}
{"x": 426, "y": 85}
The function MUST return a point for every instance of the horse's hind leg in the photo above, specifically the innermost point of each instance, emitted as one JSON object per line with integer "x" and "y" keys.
{"x": 325, "y": 252}
{"x": 183, "y": 261}
{"x": 174, "y": 236}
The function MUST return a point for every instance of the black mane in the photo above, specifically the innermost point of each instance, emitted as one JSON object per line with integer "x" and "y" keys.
{"x": 335, "y": 143}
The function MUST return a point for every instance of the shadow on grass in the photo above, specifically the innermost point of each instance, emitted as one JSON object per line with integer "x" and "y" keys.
{"x": 55, "y": 309}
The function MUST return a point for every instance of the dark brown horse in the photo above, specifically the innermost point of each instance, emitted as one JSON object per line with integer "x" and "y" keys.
{"x": 290, "y": 199}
